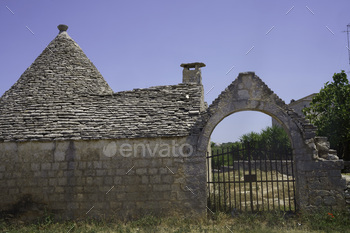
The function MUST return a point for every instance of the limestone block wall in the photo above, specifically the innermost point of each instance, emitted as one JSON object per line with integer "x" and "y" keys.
{"x": 103, "y": 178}
{"x": 321, "y": 185}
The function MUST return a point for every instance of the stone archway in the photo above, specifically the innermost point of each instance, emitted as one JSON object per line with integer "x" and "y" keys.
{"x": 249, "y": 92}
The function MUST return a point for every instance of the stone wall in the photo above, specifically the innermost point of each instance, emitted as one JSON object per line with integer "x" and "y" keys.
{"x": 322, "y": 185}
{"x": 103, "y": 178}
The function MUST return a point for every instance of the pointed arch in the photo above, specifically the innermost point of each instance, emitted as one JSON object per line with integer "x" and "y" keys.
{"x": 249, "y": 92}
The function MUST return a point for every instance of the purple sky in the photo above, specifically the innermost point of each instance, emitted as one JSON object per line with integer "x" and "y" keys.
{"x": 293, "y": 46}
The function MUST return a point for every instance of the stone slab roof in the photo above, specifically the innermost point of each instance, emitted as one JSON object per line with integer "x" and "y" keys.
{"x": 63, "y": 96}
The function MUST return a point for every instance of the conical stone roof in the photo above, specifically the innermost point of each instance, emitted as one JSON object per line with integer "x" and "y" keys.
{"x": 62, "y": 70}
{"x": 62, "y": 96}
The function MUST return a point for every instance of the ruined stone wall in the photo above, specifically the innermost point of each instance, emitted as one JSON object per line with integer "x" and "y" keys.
{"x": 103, "y": 178}
{"x": 322, "y": 185}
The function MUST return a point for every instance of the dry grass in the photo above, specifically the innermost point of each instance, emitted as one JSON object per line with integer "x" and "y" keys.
{"x": 263, "y": 222}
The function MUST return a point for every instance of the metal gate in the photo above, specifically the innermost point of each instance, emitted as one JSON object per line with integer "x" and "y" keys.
{"x": 250, "y": 178}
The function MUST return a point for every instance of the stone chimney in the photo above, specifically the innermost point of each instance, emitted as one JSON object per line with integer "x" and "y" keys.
{"x": 62, "y": 28}
{"x": 192, "y": 72}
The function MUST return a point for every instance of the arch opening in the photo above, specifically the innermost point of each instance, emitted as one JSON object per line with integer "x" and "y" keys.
{"x": 253, "y": 173}
{"x": 258, "y": 121}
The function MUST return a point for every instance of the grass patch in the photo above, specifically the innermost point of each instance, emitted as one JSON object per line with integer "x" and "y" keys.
{"x": 264, "y": 194}
{"x": 220, "y": 222}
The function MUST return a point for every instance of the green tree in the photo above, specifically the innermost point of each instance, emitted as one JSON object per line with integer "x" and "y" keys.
{"x": 330, "y": 111}
{"x": 271, "y": 138}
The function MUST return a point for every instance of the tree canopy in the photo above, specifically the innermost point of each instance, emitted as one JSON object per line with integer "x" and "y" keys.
{"x": 330, "y": 111}
{"x": 271, "y": 138}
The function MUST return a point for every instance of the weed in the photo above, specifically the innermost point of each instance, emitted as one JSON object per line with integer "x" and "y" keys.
{"x": 276, "y": 221}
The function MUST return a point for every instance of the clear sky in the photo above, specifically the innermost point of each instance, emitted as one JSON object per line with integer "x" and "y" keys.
{"x": 293, "y": 46}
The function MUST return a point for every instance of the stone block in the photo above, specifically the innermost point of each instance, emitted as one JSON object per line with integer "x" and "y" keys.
{"x": 120, "y": 196}
{"x": 106, "y": 165}
{"x": 45, "y": 166}
{"x": 73, "y": 205}
{"x": 152, "y": 171}
{"x": 161, "y": 187}
{"x": 69, "y": 173}
{"x": 178, "y": 160}
{"x": 55, "y": 166}
{"x": 121, "y": 171}
{"x": 55, "y": 197}
{"x": 142, "y": 162}
{"x": 35, "y": 166}
{"x": 97, "y": 164}
{"x": 155, "y": 179}
{"x": 101, "y": 172}
{"x": 111, "y": 172}
{"x": 182, "y": 195}
{"x": 59, "y": 205}
{"x": 115, "y": 205}
{"x": 334, "y": 173}
{"x": 141, "y": 171}
{"x": 156, "y": 196}
{"x": 145, "y": 180}
{"x": 108, "y": 180}
{"x": 37, "y": 174}
{"x": 329, "y": 200}
{"x": 72, "y": 165}
{"x": 316, "y": 173}
{"x": 117, "y": 180}
{"x": 89, "y": 172}
{"x": 80, "y": 197}
{"x": 88, "y": 188}
{"x": 89, "y": 180}
{"x": 320, "y": 165}
{"x": 176, "y": 187}
{"x": 322, "y": 193}
{"x": 163, "y": 170}
{"x": 78, "y": 173}
{"x": 53, "y": 181}
{"x": 59, "y": 189}
{"x": 32, "y": 183}
{"x": 129, "y": 180}
{"x": 81, "y": 165}
{"x": 168, "y": 179}
{"x": 80, "y": 180}
{"x": 338, "y": 182}
{"x": 11, "y": 183}
{"x": 168, "y": 162}
{"x": 59, "y": 156}
{"x": 63, "y": 166}
{"x": 62, "y": 181}
{"x": 155, "y": 162}
{"x": 134, "y": 195}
